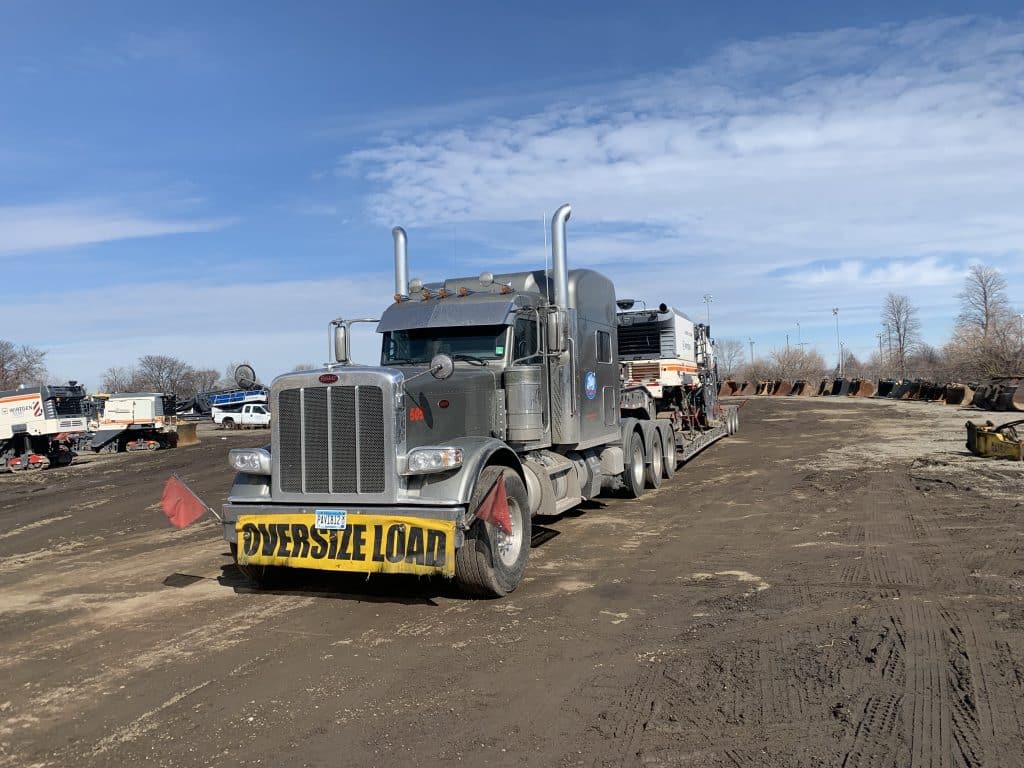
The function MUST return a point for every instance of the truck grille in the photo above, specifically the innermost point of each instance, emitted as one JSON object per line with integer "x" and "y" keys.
{"x": 331, "y": 439}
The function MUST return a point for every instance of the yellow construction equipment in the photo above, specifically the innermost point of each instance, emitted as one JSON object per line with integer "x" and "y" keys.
{"x": 992, "y": 442}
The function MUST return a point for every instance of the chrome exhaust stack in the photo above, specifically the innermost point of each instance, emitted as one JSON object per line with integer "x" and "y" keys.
{"x": 559, "y": 263}
{"x": 401, "y": 264}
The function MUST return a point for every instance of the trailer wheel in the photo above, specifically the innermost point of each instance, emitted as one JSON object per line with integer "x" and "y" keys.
{"x": 491, "y": 563}
{"x": 654, "y": 470}
{"x": 735, "y": 421}
{"x": 668, "y": 442}
{"x": 635, "y": 469}
{"x": 259, "y": 576}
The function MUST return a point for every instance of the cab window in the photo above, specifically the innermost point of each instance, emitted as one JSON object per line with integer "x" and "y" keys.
{"x": 524, "y": 340}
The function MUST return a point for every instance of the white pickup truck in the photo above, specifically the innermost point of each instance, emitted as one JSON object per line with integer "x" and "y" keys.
{"x": 242, "y": 417}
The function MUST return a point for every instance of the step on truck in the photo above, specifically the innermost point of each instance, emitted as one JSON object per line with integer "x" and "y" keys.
{"x": 40, "y": 426}
{"x": 498, "y": 398}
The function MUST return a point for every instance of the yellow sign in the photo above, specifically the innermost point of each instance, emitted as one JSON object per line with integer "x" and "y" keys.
{"x": 367, "y": 544}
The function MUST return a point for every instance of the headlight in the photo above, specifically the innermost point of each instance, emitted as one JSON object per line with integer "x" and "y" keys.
{"x": 252, "y": 461}
{"x": 423, "y": 461}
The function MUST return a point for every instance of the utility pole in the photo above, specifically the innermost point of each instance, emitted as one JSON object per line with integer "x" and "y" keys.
{"x": 787, "y": 342}
{"x": 839, "y": 344}
{"x": 880, "y": 356}
{"x": 708, "y": 298}
{"x": 751, "y": 350}
{"x": 799, "y": 343}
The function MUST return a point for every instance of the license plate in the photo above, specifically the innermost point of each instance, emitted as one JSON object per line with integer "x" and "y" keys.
{"x": 364, "y": 544}
{"x": 331, "y": 520}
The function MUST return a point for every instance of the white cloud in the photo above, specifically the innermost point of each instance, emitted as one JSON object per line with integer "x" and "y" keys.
{"x": 207, "y": 324}
{"x": 854, "y": 145}
{"x": 27, "y": 228}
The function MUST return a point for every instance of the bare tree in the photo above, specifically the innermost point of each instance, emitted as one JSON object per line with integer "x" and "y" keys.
{"x": 163, "y": 373}
{"x": 730, "y": 355}
{"x": 20, "y": 365}
{"x": 118, "y": 379}
{"x": 983, "y": 301}
{"x": 901, "y": 318}
{"x": 202, "y": 379}
{"x": 790, "y": 364}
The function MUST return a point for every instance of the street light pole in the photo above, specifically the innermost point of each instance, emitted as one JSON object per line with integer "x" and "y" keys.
{"x": 751, "y": 350}
{"x": 839, "y": 345}
{"x": 708, "y": 298}
{"x": 799, "y": 343}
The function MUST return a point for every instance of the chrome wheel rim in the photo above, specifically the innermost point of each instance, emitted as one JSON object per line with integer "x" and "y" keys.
{"x": 638, "y": 467}
{"x": 509, "y": 545}
{"x": 656, "y": 462}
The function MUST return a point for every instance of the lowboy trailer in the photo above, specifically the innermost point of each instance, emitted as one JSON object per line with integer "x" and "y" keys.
{"x": 498, "y": 398}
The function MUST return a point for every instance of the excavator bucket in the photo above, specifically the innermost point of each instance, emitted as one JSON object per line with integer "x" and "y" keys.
{"x": 746, "y": 388}
{"x": 825, "y": 388}
{"x": 864, "y": 388}
{"x": 1017, "y": 398}
{"x": 885, "y": 388}
{"x": 959, "y": 394}
{"x": 187, "y": 434}
{"x": 783, "y": 387}
{"x": 841, "y": 387}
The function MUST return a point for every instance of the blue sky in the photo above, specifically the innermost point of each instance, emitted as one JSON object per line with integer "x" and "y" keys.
{"x": 216, "y": 181}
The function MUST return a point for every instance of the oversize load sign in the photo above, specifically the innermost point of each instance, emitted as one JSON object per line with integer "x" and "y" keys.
{"x": 368, "y": 544}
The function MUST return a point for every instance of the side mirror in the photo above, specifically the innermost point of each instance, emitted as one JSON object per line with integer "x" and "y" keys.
{"x": 341, "y": 344}
{"x": 557, "y": 332}
{"x": 441, "y": 366}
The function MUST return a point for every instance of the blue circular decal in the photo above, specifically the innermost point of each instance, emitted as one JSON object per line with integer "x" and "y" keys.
{"x": 590, "y": 384}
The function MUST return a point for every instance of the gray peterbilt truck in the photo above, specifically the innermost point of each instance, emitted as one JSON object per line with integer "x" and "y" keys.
{"x": 498, "y": 398}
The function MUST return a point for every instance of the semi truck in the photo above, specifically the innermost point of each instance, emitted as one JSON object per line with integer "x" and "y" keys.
{"x": 39, "y": 426}
{"x": 498, "y": 398}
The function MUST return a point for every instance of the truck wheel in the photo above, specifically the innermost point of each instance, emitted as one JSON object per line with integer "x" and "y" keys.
{"x": 653, "y": 471}
{"x": 228, "y": 423}
{"x": 491, "y": 563}
{"x": 259, "y": 576}
{"x": 635, "y": 469}
{"x": 668, "y": 442}
{"x": 735, "y": 422}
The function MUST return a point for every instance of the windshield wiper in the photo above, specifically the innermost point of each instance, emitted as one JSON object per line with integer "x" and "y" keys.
{"x": 469, "y": 358}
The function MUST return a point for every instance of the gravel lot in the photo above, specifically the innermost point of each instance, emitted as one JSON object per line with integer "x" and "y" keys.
{"x": 839, "y": 584}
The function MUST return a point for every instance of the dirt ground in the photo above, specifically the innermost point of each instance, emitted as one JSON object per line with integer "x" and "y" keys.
{"x": 839, "y": 584}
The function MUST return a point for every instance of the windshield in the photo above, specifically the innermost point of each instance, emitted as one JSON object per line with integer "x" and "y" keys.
{"x": 419, "y": 345}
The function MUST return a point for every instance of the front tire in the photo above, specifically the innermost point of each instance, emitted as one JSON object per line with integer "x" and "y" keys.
{"x": 259, "y": 576}
{"x": 491, "y": 563}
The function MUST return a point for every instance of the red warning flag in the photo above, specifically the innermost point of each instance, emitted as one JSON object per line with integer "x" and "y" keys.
{"x": 494, "y": 509}
{"x": 181, "y": 506}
